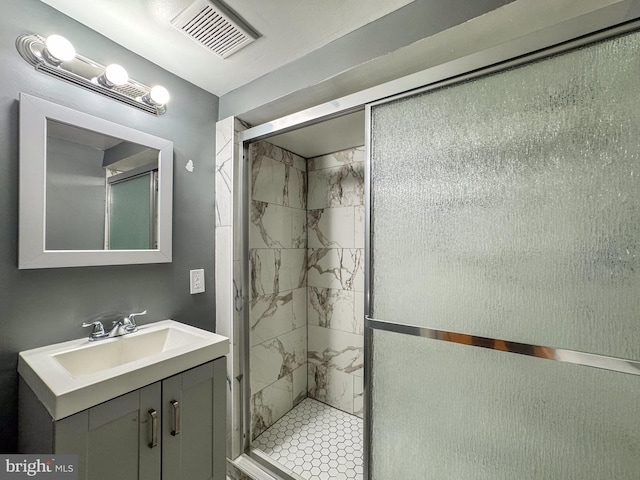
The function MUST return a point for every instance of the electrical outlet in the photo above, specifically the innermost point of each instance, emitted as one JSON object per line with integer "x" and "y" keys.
{"x": 196, "y": 281}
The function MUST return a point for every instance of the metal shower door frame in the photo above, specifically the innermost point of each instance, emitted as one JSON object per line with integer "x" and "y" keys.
{"x": 620, "y": 365}
{"x": 524, "y": 50}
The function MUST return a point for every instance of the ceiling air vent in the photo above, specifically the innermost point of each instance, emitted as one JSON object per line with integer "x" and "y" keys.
{"x": 215, "y": 27}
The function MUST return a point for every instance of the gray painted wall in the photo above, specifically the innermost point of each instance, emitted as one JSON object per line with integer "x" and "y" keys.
{"x": 76, "y": 196}
{"x": 39, "y": 307}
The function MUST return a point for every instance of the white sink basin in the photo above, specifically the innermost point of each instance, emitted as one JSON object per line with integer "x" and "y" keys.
{"x": 104, "y": 354}
{"x": 73, "y": 376}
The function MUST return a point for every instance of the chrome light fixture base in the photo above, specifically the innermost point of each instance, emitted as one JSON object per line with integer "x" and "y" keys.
{"x": 84, "y": 72}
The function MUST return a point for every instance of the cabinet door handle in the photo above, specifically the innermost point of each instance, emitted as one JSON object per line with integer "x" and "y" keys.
{"x": 153, "y": 417}
{"x": 176, "y": 417}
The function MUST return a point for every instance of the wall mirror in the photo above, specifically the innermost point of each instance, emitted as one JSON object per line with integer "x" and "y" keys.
{"x": 92, "y": 192}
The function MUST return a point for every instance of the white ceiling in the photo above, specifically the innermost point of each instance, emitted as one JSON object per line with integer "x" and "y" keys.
{"x": 325, "y": 137}
{"x": 289, "y": 29}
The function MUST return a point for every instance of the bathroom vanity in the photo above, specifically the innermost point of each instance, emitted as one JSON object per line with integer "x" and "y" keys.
{"x": 149, "y": 405}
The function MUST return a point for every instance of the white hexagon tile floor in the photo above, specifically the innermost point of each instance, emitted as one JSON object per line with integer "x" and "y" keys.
{"x": 316, "y": 441}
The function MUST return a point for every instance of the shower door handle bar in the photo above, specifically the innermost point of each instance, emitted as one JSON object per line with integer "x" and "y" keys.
{"x": 615, "y": 364}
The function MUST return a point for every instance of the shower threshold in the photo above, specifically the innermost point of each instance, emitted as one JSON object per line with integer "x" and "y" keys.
{"x": 315, "y": 441}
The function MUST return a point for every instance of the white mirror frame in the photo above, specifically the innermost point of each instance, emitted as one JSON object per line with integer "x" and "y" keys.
{"x": 34, "y": 113}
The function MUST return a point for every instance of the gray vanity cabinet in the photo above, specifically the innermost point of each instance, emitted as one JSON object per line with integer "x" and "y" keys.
{"x": 115, "y": 439}
{"x": 194, "y": 424}
{"x": 111, "y": 439}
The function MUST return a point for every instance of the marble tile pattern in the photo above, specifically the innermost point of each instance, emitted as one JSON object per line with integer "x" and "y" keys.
{"x": 316, "y": 442}
{"x": 278, "y": 297}
{"x": 335, "y": 278}
{"x": 306, "y": 240}
{"x": 228, "y": 267}
{"x": 224, "y": 171}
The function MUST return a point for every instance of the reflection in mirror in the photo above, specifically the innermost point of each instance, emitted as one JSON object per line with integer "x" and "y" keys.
{"x": 92, "y": 192}
{"x": 101, "y": 191}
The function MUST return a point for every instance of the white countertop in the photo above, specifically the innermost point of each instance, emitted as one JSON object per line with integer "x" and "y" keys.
{"x": 72, "y": 376}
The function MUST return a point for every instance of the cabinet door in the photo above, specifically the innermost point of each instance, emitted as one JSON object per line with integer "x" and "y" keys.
{"x": 112, "y": 439}
{"x": 194, "y": 412}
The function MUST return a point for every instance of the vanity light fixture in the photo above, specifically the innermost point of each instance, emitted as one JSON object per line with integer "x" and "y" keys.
{"x": 158, "y": 95}
{"x": 56, "y": 56}
{"x": 114, "y": 76}
{"x": 58, "y": 49}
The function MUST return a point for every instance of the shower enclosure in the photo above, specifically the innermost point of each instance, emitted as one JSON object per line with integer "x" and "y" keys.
{"x": 505, "y": 254}
{"x": 306, "y": 322}
{"x": 302, "y": 224}
{"x": 501, "y": 271}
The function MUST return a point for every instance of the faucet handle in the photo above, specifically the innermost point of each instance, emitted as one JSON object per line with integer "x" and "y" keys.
{"x": 98, "y": 330}
{"x": 132, "y": 322}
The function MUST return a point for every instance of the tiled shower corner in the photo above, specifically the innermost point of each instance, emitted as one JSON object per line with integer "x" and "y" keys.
{"x": 335, "y": 285}
{"x": 306, "y": 257}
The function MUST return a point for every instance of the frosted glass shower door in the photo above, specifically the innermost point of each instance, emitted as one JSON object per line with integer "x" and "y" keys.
{"x": 131, "y": 213}
{"x": 505, "y": 226}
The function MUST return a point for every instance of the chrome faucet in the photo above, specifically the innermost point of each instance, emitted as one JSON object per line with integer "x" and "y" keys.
{"x": 97, "y": 333}
{"x": 125, "y": 325}
{"x": 120, "y": 327}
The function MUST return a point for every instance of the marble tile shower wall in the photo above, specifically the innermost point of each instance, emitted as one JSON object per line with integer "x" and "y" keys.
{"x": 278, "y": 260}
{"x": 228, "y": 256}
{"x": 335, "y": 284}
{"x": 306, "y": 255}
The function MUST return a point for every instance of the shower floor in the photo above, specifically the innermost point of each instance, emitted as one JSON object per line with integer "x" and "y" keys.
{"x": 316, "y": 442}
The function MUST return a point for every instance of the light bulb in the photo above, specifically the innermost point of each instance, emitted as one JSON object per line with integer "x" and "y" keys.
{"x": 159, "y": 95}
{"x": 59, "y": 49}
{"x": 116, "y": 75}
